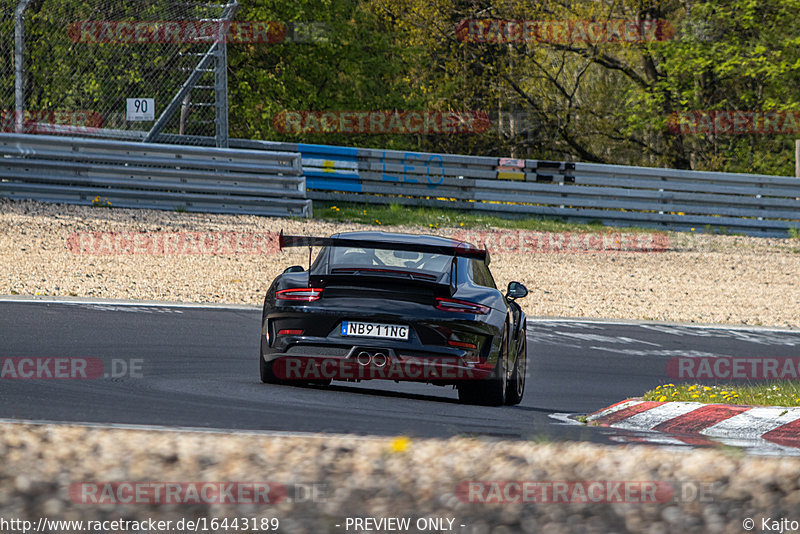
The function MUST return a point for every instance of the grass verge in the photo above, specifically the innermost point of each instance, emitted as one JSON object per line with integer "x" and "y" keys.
{"x": 432, "y": 217}
{"x": 780, "y": 393}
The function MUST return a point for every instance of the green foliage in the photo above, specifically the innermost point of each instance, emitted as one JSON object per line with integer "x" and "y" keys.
{"x": 606, "y": 101}
{"x": 773, "y": 393}
{"x": 433, "y": 218}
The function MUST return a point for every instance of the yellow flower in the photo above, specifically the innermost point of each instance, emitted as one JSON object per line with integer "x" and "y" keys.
{"x": 695, "y": 396}
{"x": 706, "y": 388}
{"x": 712, "y": 396}
{"x": 662, "y": 398}
{"x": 400, "y": 444}
{"x": 692, "y": 387}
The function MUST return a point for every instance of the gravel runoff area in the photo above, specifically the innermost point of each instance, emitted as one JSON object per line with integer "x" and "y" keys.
{"x": 66, "y": 472}
{"x": 46, "y": 249}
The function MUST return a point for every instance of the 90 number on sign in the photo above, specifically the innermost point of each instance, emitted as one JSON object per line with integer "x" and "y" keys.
{"x": 140, "y": 109}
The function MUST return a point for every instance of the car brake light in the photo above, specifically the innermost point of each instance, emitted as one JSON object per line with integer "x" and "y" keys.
{"x": 290, "y": 332}
{"x": 462, "y": 344}
{"x": 300, "y": 293}
{"x": 462, "y": 306}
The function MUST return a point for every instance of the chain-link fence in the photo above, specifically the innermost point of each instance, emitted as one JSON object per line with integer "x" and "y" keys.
{"x": 7, "y": 65}
{"x": 119, "y": 68}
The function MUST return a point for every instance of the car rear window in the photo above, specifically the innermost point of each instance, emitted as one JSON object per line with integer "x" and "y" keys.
{"x": 370, "y": 257}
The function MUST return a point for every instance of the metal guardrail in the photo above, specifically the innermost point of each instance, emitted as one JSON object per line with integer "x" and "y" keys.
{"x": 143, "y": 175}
{"x": 618, "y": 195}
{"x": 670, "y": 199}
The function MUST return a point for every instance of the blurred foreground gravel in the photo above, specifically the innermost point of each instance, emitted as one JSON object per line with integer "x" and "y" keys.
{"x": 699, "y": 278}
{"x": 389, "y": 478}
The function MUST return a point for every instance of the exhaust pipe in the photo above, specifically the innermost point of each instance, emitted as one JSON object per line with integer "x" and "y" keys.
{"x": 380, "y": 359}
{"x": 363, "y": 358}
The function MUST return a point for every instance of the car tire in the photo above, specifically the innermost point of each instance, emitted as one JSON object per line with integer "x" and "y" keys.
{"x": 516, "y": 386}
{"x": 267, "y": 374}
{"x": 490, "y": 391}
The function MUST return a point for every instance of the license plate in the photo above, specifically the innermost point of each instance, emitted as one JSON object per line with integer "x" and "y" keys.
{"x": 385, "y": 331}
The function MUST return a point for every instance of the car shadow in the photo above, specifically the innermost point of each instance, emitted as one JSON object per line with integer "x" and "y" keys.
{"x": 381, "y": 393}
{"x": 403, "y": 395}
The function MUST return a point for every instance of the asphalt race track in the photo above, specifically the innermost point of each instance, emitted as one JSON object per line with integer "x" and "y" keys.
{"x": 198, "y": 367}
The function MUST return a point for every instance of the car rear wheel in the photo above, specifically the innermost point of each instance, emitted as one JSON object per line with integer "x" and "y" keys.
{"x": 516, "y": 386}
{"x": 267, "y": 374}
{"x": 491, "y": 391}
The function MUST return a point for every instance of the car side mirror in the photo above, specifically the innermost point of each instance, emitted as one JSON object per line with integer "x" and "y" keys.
{"x": 294, "y": 269}
{"x": 516, "y": 291}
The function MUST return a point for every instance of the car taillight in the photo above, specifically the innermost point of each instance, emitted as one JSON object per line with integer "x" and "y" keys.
{"x": 290, "y": 332}
{"x": 462, "y": 344}
{"x": 306, "y": 294}
{"x": 462, "y": 306}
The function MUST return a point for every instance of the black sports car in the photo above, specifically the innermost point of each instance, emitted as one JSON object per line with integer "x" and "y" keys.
{"x": 377, "y": 305}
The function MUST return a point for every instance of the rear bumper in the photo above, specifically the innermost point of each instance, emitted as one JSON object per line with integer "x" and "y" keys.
{"x": 376, "y": 360}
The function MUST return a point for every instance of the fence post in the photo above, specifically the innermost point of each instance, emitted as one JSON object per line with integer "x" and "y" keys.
{"x": 221, "y": 93}
{"x": 19, "y": 64}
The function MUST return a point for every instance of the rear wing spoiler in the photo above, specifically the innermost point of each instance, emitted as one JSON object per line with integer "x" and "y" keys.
{"x": 458, "y": 249}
